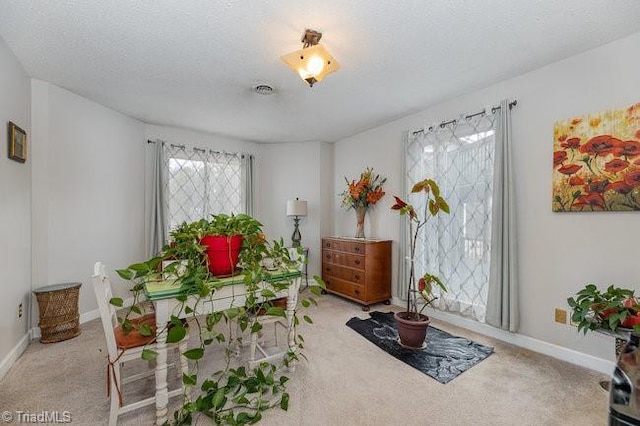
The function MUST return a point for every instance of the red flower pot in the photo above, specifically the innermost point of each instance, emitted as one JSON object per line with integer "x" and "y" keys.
{"x": 223, "y": 252}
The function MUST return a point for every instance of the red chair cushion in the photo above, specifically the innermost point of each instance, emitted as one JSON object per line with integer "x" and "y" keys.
{"x": 134, "y": 339}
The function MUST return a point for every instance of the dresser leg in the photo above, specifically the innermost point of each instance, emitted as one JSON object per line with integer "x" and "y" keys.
{"x": 387, "y": 302}
{"x": 365, "y": 308}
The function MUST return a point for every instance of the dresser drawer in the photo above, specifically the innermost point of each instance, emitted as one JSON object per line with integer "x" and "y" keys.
{"x": 344, "y": 288}
{"x": 344, "y": 259}
{"x": 355, "y": 247}
{"x": 355, "y": 276}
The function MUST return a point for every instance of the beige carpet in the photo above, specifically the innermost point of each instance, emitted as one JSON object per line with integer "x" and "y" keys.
{"x": 346, "y": 381}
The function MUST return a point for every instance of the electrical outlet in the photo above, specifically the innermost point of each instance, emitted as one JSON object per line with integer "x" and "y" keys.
{"x": 20, "y": 310}
{"x": 561, "y": 316}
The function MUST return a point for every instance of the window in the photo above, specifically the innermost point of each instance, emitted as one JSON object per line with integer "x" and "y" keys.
{"x": 202, "y": 182}
{"x": 456, "y": 247}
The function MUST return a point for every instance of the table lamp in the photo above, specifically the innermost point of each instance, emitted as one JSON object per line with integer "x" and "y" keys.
{"x": 296, "y": 208}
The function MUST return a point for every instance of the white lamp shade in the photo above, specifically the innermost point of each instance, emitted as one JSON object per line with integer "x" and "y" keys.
{"x": 296, "y": 208}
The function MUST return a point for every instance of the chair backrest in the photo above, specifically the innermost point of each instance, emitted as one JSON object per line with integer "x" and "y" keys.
{"x": 102, "y": 289}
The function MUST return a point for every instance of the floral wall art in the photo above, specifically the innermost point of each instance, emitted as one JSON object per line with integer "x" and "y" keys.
{"x": 596, "y": 162}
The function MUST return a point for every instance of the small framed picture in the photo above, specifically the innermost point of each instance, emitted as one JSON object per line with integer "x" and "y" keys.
{"x": 17, "y": 143}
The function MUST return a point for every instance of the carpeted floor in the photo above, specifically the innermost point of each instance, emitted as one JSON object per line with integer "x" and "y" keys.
{"x": 346, "y": 381}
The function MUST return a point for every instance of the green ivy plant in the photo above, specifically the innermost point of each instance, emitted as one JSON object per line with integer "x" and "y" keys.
{"x": 233, "y": 395}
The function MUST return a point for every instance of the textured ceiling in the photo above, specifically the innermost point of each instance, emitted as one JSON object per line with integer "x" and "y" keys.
{"x": 193, "y": 63}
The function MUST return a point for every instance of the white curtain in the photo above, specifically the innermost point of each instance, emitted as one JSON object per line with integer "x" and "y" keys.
{"x": 195, "y": 183}
{"x": 158, "y": 220}
{"x": 247, "y": 183}
{"x": 502, "y": 305}
{"x": 459, "y": 156}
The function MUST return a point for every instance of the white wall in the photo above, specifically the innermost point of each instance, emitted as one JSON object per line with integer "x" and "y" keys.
{"x": 289, "y": 171}
{"x": 558, "y": 252}
{"x": 88, "y": 189}
{"x": 15, "y": 209}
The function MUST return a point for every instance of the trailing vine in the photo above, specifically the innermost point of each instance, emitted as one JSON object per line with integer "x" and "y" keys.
{"x": 234, "y": 395}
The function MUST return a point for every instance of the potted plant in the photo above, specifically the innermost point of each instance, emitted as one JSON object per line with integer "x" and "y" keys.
{"x": 223, "y": 237}
{"x": 613, "y": 308}
{"x": 412, "y": 324}
{"x": 231, "y": 395}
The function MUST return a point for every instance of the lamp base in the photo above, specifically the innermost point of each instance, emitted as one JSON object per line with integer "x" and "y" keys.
{"x": 296, "y": 237}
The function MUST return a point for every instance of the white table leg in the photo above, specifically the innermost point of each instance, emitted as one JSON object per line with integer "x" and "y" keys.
{"x": 292, "y": 301}
{"x": 162, "y": 391}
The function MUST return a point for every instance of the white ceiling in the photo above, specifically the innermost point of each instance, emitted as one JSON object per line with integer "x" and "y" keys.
{"x": 193, "y": 63}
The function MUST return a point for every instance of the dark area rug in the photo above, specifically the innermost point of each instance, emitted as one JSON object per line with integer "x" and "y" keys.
{"x": 444, "y": 357}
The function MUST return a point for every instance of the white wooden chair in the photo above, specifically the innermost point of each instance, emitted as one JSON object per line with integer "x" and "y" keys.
{"x": 268, "y": 351}
{"x": 120, "y": 352}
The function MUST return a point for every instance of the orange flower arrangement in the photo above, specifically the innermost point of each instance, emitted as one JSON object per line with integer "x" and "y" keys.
{"x": 364, "y": 193}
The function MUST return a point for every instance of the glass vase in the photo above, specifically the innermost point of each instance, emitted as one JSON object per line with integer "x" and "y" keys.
{"x": 360, "y": 214}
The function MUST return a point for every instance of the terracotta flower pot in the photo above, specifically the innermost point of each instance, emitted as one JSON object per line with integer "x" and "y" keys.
{"x": 411, "y": 332}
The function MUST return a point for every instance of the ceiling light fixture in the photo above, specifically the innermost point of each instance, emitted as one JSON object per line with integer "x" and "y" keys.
{"x": 313, "y": 62}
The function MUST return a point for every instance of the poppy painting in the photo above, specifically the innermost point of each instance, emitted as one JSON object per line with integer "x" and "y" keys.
{"x": 596, "y": 162}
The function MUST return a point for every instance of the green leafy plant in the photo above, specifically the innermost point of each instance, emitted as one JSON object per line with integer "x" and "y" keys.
{"x": 235, "y": 394}
{"x": 434, "y": 204}
{"x": 223, "y": 224}
{"x": 592, "y": 309}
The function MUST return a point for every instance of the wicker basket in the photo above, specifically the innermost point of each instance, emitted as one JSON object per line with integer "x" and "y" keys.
{"x": 58, "y": 305}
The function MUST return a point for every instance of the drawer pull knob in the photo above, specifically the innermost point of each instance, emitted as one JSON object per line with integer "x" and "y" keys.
{"x": 327, "y": 269}
{"x": 357, "y": 262}
{"x": 356, "y": 248}
{"x": 357, "y": 292}
{"x": 357, "y": 277}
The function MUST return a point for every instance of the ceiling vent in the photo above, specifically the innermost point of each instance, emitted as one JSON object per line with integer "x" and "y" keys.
{"x": 263, "y": 89}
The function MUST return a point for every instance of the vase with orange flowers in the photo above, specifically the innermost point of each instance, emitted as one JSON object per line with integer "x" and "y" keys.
{"x": 412, "y": 324}
{"x": 361, "y": 195}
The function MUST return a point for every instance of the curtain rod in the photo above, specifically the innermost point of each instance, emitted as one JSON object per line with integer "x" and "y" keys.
{"x": 241, "y": 154}
{"x": 475, "y": 114}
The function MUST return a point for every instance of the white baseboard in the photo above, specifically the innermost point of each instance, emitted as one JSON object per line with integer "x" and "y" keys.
{"x": 13, "y": 355}
{"x": 565, "y": 354}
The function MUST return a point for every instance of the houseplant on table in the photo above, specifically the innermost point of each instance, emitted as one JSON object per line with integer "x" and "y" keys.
{"x": 412, "y": 324}
{"x": 223, "y": 237}
{"x": 232, "y": 395}
{"x": 361, "y": 195}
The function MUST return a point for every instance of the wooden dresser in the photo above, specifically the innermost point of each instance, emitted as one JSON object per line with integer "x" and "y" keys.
{"x": 357, "y": 269}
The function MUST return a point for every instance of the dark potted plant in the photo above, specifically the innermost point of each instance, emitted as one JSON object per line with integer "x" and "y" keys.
{"x": 610, "y": 309}
{"x": 412, "y": 324}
